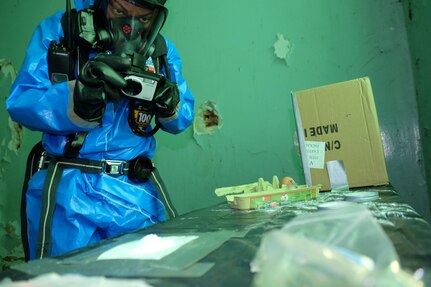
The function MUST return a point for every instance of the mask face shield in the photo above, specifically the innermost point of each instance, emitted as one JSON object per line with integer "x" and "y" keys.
{"x": 134, "y": 26}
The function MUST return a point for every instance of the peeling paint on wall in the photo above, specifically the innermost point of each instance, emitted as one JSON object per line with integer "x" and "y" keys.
{"x": 208, "y": 119}
{"x": 11, "y": 136}
{"x": 7, "y": 77}
{"x": 282, "y": 47}
{"x": 7, "y": 71}
{"x": 17, "y": 133}
{"x": 11, "y": 251}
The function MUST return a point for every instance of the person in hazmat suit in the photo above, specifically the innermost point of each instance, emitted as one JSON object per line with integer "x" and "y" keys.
{"x": 98, "y": 81}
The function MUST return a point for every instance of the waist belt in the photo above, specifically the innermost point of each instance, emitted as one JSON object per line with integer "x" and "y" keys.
{"x": 55, "y": 166}
{"x": 112, "y": 167}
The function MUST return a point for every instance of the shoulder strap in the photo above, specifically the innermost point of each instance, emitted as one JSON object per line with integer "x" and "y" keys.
{"x": 74, "y": 144}
{"x": 159, "y": 55}
{"x": 160, "y": 47}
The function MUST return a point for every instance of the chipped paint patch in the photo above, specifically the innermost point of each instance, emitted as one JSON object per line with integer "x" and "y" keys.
{"x": 17, "y": 133}
{"x": 282, "y": 47}
{"x": 208, "y": 119}
{"x": 7, "y": 71}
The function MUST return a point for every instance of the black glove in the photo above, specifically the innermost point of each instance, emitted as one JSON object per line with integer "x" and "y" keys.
{"x": 167, "y": 99}
{"x": 98, "y": 83}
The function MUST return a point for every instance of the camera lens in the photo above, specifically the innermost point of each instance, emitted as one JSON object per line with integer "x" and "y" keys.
{"x": 133, "y": 88}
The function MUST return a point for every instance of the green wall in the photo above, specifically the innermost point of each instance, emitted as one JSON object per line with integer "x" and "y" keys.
{"x": 228, "y": 58}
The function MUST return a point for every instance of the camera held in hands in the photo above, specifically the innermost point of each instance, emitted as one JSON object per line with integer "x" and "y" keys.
{"x": 141, "y": 87}
{"x": 141, "y": 84}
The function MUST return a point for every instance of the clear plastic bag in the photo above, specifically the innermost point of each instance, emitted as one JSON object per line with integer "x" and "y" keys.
{"x": 342, "y": 247}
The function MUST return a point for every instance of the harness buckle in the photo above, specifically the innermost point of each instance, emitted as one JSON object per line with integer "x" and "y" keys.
{"x": 113, "y": 166}
{"x": 41, "y": 160}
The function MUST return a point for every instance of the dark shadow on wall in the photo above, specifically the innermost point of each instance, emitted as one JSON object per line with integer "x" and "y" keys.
{"x": 418, "y": 25}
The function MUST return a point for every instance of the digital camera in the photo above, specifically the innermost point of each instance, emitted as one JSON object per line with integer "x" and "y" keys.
{"x": 141, "y": 85}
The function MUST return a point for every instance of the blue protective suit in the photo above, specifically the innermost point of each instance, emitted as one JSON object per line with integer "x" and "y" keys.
{"x": 89, "y": 207}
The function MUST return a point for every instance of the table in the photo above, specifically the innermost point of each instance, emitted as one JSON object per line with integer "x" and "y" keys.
{"x": 228, "y": 242}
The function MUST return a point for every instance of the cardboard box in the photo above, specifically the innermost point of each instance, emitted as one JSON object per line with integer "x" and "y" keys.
{"x": 338, "y": 129}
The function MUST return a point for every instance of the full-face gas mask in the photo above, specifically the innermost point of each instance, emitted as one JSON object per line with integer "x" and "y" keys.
{"x": 134, "y": 24}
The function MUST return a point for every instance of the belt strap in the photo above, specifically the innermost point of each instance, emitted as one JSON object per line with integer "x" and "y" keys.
{"x": 49, "y": 194}
{"x": 87, "y": 165}
{"x": 158, "y": 183}
{"x": 55, "y": 167}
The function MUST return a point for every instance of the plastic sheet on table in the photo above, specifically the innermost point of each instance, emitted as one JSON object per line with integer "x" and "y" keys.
{"x": 330, "y": 247}
{"x": 73, "y": 280}
{"x": 182, "y": 262}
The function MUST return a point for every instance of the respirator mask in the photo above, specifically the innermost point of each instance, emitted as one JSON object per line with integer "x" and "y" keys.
{"x": 134, "y": 24}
